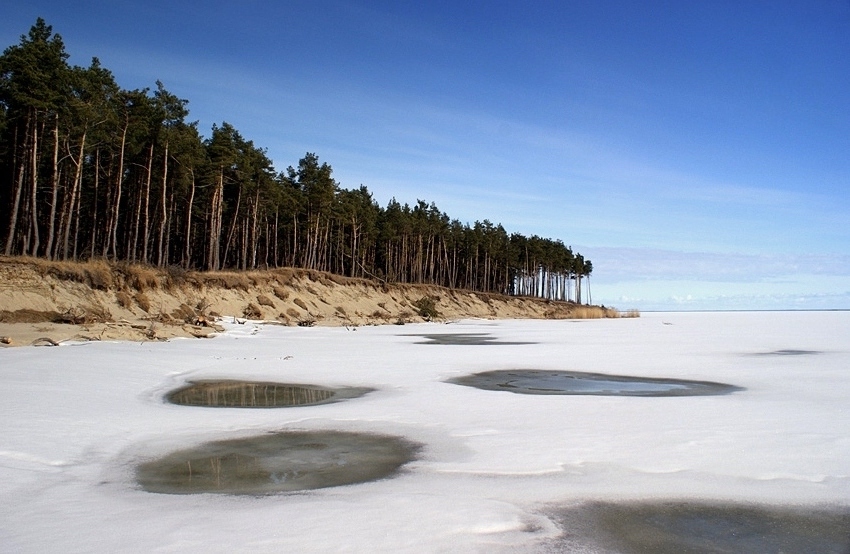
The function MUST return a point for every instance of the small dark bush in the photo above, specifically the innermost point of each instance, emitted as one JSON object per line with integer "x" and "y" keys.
{"x": 252, "y": 311}
{"x": 184, "y": 313}
{"x": 124, "y": 300}
{"x": 427, "y": 307}
{"x": 143, "y": 301}
{"x": 176, "y": 276}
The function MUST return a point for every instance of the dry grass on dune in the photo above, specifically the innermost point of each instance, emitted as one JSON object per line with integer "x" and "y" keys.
{"x": 96, "y": 274}
{"x": 35, "y": 290}
{"x": 592, "y": 312}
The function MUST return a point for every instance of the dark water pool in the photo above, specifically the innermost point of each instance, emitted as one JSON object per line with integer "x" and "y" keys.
{"x": 538, "y": 381}
{"x": 676, "y": 527}
{"x": 789, "y": 352}
{"x": 249, "y": 394}
{"x": 465, "y": 339}
{"x": 278, "y": 462}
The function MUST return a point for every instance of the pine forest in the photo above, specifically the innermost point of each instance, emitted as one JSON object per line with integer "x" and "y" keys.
{"x": 90, "y": 170}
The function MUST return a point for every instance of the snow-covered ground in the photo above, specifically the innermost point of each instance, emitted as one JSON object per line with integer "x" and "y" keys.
{"x": 77, "y": 420}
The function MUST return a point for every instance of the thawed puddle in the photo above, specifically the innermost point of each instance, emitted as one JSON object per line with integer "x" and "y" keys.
{"x": 247, "y": 394}
{"x": 465, "y": 339}
{"x": 676, "y": 527}
{"x": 278, "y": 462}
{"x": 538, "y": 381}
{"x": 789, "y": 352}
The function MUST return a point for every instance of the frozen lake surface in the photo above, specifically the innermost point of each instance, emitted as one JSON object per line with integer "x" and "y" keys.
{"x": 495, "y": 472}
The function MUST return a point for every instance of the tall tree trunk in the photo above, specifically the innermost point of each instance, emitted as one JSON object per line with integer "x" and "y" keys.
{"x": 94, "y": 202}
{"x": 77, "y": 225}
{"x": 233, "y": 223}
{"x": 94, "y": 226}
{"x": 112, "y": 243}
{"x": 172, "y": 208}
{"x": 54, "y": 192}
{"x": 34, "y": 198}
{"x": 254, "y": 240}
{"x": 243, "y": 251}
{"x": 160, "y": 259}
{"x": 577, "y": 283}
{"x": 213, "y": 260}
{"x": 276, "y": 235}
{"x": 16, "y": 204}
{"x": 132, "y": 248}
{"x": 75, "y": 191}
{"x": 187, "y": 248}
{"x": 354, "y": 256}
{"x": 146, "y": 226}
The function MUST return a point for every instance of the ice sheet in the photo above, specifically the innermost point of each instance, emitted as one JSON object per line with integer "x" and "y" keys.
{"x": 78, "y": 419}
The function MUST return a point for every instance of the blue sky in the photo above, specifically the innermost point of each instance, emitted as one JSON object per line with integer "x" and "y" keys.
{"x": 696, "y": 152}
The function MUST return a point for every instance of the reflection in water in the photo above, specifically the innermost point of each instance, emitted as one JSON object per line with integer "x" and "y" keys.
{"x": 537, "y": 381}
{"x": 245, "y": 394}
{"x": 278, "y": 462}
{"x": 674, "y": 527}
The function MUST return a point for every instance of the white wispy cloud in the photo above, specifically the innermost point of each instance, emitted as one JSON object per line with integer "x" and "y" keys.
{"x": 614, "y": 264}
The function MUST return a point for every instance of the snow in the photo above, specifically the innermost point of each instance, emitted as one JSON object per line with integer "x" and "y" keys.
{"x": 77, "y": 419}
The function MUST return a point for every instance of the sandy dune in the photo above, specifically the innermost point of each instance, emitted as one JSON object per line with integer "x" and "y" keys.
{"x": 45, "y": 302}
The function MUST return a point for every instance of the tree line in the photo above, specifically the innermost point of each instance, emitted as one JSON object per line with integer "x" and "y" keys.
{"x": 91, "y": 170}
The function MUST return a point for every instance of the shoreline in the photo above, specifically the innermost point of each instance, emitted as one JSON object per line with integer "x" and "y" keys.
{"x": 46, "y": 302}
